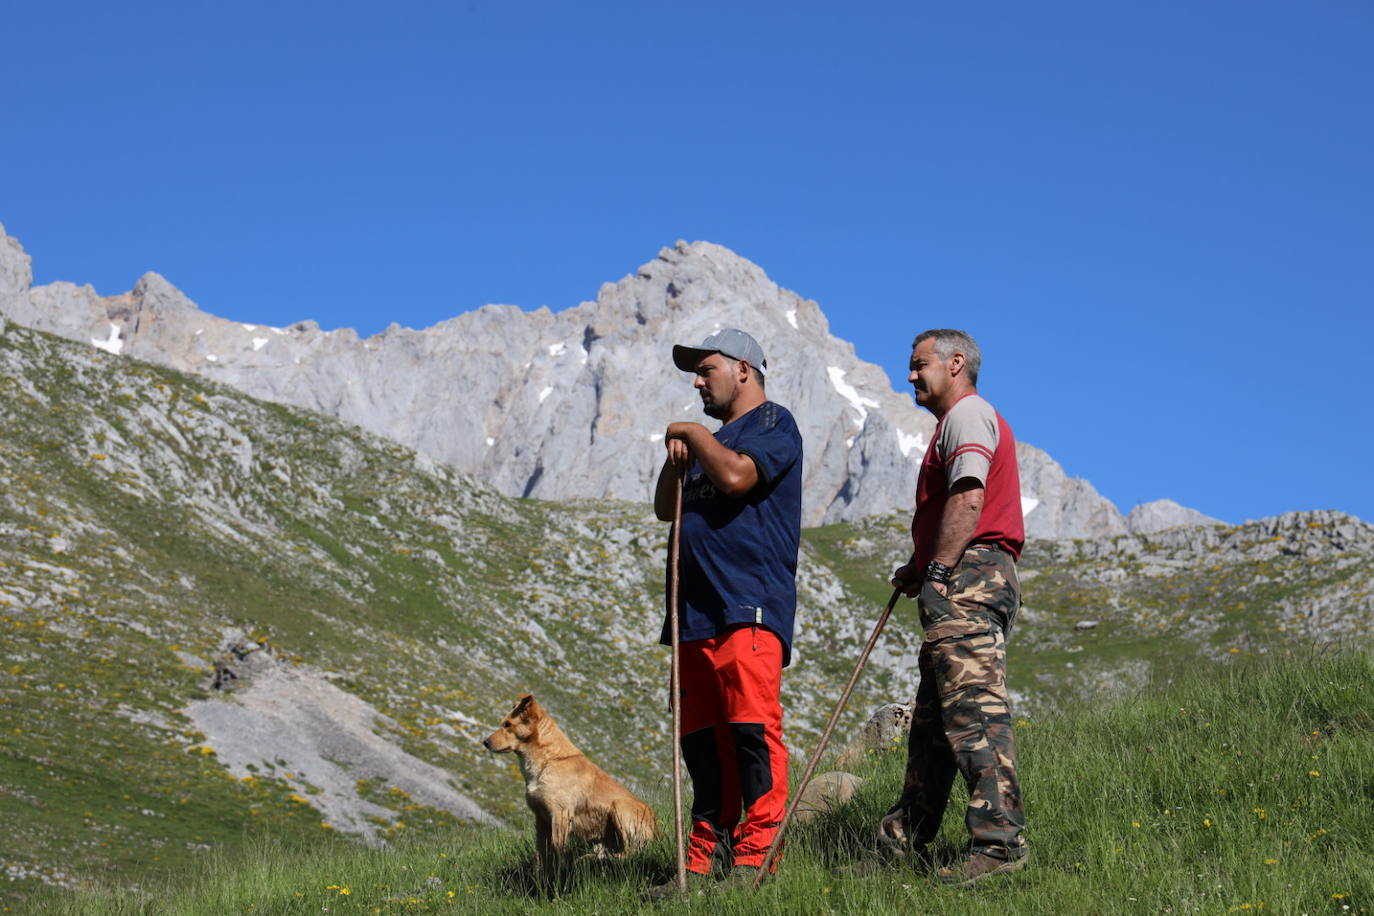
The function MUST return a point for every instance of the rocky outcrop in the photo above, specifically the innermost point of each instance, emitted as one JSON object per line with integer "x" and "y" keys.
{"x": 886, "y": 729}
{"x": 324, "y": 739}
{"x": 1164, "y": 513}
{"x": 566, "y": 404}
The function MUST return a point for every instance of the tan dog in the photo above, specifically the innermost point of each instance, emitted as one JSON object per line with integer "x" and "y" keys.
{"x": 569, "y": 795}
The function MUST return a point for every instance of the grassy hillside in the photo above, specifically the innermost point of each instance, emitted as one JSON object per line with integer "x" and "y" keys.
{"x": 1243, "y": 789}
{"x": 156, "y": 529}
{"x": 1109, "y": 615}
{"x": 160, "y": 534}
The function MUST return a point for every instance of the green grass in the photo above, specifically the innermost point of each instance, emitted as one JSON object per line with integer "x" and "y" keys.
{"x": 1241, "y": 790}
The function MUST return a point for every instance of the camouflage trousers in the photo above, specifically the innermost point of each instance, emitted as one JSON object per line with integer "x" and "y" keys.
{"x": 962, "y": 717}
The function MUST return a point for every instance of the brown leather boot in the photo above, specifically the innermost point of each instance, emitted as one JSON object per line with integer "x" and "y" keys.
{"x": 976, "y": 866}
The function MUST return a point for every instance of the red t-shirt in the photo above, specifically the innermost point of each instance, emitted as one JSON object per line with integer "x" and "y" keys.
{"x": 971, "y": 440}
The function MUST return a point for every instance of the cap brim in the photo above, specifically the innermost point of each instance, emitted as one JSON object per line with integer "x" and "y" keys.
{"x": 687, "y": 358}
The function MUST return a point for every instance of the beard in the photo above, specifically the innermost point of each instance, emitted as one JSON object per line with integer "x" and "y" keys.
{"x": 718, "y": 408}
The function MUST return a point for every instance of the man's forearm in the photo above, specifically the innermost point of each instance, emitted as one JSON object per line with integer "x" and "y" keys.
{"x": 957, "y": 525}
{"x": 732, "y": 473}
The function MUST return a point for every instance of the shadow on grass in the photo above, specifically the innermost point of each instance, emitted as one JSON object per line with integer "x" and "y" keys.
{"x": 523, "y": 878}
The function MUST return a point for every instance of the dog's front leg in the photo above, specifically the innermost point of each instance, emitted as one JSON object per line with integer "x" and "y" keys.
{"x": 543, "y": 841}
{"x": 560, "y": 828}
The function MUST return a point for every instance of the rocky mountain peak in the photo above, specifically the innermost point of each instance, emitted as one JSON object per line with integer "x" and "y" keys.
{"x": 1164, "y": 513}
{"x": 16, "y": 269}
{"x": 563, "y": 404}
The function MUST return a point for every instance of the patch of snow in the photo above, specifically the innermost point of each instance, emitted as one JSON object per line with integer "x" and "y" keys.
{"x": 211, "y": 357}
{"x": 200, "y": 331}
{"x": 1027, "y": 504}
{"x": 490, "y": 441}
{"x": 791, "y": 316}
{"x": 849, "y": 443}
{"x": 908, "y": 444}
{"x": 250, "y": 327}
{"x": 278, "y": 331}
{"x": 655, "y": 437}
{"x": 545, "y": 393}
{"x": 850, "y": 393}
{"x": 259, "y": 343}
{"x": 558, "y": 349}
{"x": 111, "y": 345}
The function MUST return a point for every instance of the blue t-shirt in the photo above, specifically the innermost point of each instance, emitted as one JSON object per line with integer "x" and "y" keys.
{"x": 738, "y": 556}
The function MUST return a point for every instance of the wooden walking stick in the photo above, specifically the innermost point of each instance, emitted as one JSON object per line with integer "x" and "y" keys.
{"x": 676, "y": 688}
{"x": 825, "y": 737}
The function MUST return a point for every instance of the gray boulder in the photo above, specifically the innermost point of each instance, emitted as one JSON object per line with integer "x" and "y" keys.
{"x": 825, "y": 793}
{"x": 885, "y": 730}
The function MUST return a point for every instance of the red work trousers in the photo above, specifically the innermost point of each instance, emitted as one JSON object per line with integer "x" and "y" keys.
{"x": 732, "y": 744}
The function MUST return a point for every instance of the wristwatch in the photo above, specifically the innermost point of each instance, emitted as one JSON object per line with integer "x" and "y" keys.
{"x": 938, "y": 572}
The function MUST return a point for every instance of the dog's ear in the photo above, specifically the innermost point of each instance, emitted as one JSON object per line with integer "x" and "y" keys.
{"x": 526, "y": 701}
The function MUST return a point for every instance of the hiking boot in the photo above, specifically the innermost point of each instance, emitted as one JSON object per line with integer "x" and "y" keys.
{"x": 742, "y": 876}
{"x": 697, "y": 884}
{"x": 976, "y": 866}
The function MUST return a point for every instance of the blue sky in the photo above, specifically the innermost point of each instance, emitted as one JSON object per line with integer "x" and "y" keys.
{"x": 1158, "y": 219}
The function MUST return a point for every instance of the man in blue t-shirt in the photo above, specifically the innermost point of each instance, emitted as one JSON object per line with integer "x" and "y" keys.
{"x": 741, "y": 526}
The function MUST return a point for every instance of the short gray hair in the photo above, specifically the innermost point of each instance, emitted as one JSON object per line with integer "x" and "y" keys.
{"x": 948, "y": 342}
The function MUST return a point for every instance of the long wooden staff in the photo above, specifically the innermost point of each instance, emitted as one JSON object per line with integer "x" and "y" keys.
{"x": 676, "y": 704}
{"x": 825, "y": 737}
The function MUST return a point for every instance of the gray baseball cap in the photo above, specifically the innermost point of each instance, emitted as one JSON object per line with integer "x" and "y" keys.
{"x": 730, "y": 342}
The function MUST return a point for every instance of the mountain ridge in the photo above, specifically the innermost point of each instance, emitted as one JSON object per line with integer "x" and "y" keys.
{"x": 563, "y": 404}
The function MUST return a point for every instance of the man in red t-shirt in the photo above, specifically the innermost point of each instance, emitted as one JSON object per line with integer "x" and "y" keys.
{"x": 967, "y": 533}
